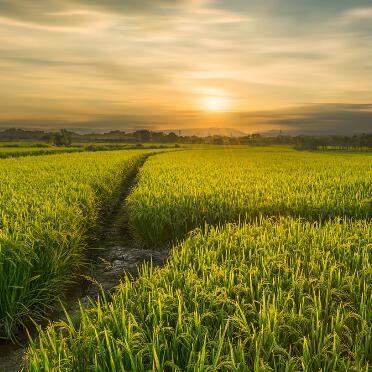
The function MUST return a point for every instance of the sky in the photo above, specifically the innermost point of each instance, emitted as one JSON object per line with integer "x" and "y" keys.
{"x": 296, "y": 66}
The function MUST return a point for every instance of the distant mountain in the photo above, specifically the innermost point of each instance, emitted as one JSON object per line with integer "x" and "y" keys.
{"x": 205, "y": 132}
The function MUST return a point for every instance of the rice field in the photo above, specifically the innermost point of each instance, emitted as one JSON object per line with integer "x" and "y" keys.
{"x": 48, "y": 204}
{"x": 269, "y": 267}
{"x": 15, "y": 152}
{"x": 182, "y": 190}
{"x": 283, "y": 295}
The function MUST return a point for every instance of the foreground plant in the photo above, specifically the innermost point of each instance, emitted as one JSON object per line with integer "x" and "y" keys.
{"x": 282, "y": 295}
{"x": 48, "y": 204}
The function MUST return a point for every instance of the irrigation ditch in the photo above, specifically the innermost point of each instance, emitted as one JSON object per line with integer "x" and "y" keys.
{"x": 111, "y": 252}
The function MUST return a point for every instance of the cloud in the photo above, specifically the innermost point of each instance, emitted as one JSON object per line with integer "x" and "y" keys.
{"x": 358, "y": 14}
{"x": 77, "y": 60}
{"x": 39, "y": 12}
{"x": 314, "y": 119}
{"x": 58, "y": 14}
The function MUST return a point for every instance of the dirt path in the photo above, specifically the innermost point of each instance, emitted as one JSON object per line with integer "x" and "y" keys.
{"x": 113, "y": 253}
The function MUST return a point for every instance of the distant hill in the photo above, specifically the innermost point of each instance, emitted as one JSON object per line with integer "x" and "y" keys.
{"x": 206, "y": 132}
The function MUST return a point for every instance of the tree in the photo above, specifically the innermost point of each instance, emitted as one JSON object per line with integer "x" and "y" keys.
{"x": 63, "y": 138}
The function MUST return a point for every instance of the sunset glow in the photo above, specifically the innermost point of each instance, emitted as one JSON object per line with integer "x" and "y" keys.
{"x": 215, "y": 104}
{"x": 162, "y": 64}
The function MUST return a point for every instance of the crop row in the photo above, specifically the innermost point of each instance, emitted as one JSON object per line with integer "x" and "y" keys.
{"x": 182, "y": 190}
{"x": 9, "y": 152}
{"x": 286, "y": 289}
{"x": 48, "y": 205}
{"x": 278, "y": 294}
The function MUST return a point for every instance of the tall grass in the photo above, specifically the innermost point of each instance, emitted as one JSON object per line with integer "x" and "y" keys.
{"x": 47, "y": 205}
{"x": 15, "y": 152}
{"x": 180, "y": 191}
{"x": 283, "y": 295}
{"x": 288, "y": 289}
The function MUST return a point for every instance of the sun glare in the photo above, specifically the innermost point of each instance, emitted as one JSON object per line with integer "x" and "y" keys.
{"x": 215, "y": 104}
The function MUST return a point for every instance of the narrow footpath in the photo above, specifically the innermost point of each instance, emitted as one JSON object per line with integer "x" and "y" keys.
{"x": 112, "y": 253}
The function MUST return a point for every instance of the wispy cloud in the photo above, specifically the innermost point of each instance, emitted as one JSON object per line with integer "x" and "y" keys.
{"x": 326, "y": 118}
{"x": 80, "y": 60}
{"x": 357, "y": 14}
{"x": 59, "y": 15}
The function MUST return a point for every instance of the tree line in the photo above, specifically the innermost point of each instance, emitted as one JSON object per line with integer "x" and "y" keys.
{"x": 360, "y": 142}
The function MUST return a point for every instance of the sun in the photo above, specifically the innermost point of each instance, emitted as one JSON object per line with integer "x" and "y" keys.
{"x": 215, "y": 104}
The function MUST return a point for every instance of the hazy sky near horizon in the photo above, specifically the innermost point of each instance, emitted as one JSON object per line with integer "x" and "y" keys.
{"x": 253, "y": 65}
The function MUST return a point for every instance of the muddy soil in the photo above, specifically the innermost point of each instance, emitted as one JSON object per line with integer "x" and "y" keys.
{"x": 111, "y": 254}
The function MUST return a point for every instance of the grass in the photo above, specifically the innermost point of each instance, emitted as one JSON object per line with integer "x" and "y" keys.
{"x": 15, "y": 152}
{"x": 182, "y": 190}
{"x": 47, "y": 208}
{"x": 283, "y": 295}
{"x": 18, "y": 149}
{"x": 24, "y": 144}
{"x": 276, "y": 276}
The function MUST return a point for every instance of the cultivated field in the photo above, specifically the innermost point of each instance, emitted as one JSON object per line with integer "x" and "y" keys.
{"x": 269, "y": 265}
{"x": 278, "y": 295}
{"x": 19, "y": 149}
{"x": 47, "y": 206}
{"x": 15, "y": 152}
{"x": 182, "y": 190}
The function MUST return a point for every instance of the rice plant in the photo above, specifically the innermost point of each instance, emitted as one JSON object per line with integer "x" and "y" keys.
{"x": 182, "y": 190}
{"x": 47, "y": 206}
{"x": 285, "y": 287}
{"x": 278, "y": 294}
{"x": 15, "y": 152}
